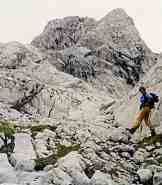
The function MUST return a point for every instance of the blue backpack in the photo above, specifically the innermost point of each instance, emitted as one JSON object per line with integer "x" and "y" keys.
{"x": 155, "y": 97}
{"x": 150, "y": 99}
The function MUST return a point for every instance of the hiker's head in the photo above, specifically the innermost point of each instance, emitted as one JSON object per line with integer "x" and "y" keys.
{"x": 142, "y": 90}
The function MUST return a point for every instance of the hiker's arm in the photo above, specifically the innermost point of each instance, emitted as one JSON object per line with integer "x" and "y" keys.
{"x": 155, "y": 96}
{"x": 142, "y": 101}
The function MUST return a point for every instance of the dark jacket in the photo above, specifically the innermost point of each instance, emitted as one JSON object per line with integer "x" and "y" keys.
{"x": 148, "y": 100}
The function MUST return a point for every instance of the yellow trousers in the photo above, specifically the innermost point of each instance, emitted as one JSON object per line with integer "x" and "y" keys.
{"x": 145, "y": 115}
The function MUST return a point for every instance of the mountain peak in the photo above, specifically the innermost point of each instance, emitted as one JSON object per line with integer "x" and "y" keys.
{"x": 119, "y": 11}
{"x": 118, "y": 15}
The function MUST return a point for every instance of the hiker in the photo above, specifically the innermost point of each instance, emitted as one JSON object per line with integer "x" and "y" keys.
{"x": 147, "y": 101}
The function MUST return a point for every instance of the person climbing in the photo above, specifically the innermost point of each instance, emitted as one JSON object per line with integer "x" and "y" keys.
{"x": 147, "y": 101}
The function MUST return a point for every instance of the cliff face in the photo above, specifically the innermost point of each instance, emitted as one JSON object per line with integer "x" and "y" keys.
{"x": 114, "y": 40}
{"x": 70, "y": 94}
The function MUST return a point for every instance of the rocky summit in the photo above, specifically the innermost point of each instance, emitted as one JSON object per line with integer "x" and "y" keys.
{"x": 66, "y": 99}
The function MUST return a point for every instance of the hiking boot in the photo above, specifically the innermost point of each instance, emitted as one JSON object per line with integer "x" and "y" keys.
{"x": 131, "y": 130}
{"x": 153, "y": 133}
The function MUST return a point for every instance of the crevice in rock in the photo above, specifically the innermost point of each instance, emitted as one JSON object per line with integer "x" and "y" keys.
{"x": 128, "y": 67}
{"x": 89, "y": 171}
{"x": 41, "y": 163}
{"x": 27, "y": 98}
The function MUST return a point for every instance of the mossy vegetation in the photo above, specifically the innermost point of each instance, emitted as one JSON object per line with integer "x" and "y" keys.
{"x": 41, "y": 163}
{"x": 160, "y": 160}
{"x": 40, "y": 128}
{"x": 62, "y": 151}
{"x": 7, "y": 129}
{"x": 152, "y": 140}
{"x": 7, "y": 132}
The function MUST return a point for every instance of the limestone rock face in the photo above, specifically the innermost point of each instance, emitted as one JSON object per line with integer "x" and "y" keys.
{"x": 39, "y": 89}
{"x": 84, "y": 64}
{"x": 113, "y": 39}
{"x": 63, "y": 33}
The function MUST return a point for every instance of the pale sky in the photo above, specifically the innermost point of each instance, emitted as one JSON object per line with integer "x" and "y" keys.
{"x": 22, "y": 20}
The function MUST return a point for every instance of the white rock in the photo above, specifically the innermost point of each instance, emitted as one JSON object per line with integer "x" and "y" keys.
{"x": 145, "y": 175}
{"x": 100, "y": 178}
{"x": 23, "y": 147}
{"x": 25, "y": 165}
{"x": 157, "y": 179}
{"x": 7, "y": 173}
{"x": 73, "y": 165}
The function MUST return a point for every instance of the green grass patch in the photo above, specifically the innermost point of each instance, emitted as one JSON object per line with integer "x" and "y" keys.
{"x": 151, "y": 140}
{"x": 7, "y": 128}
{"x": 160, "y": 160}
{"x": 63, "y": 150}
{"x": 40, "y": 128}
{"x": 41, "y": 163}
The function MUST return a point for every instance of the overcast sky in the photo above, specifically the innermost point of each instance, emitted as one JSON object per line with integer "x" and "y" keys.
{"x": 22, "y": 20}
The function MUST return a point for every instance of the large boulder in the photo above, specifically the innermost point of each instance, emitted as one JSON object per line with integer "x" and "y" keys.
{"x": 7, "y": 174}
{"x": 145, "y": 175}
{"x": 70, "y": 170}
{"x": 157, "y": 179}
{"x": 100, "y": 178}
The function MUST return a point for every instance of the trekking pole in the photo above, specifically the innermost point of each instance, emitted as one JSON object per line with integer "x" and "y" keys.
{"x": 158, "y": 105}
{"x": 140, "y": 131}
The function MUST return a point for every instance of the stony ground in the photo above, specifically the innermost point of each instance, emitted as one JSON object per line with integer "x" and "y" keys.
{"x": 69, "y": 95}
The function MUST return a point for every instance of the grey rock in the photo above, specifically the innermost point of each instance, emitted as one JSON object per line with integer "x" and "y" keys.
{"x": 100, "y": 178}
{"x": 125, "y": 155}
{"x": 63, "y": 33}
{"x": 7, "y": 174}
{"x": 25, "y": 165}
{"x": 145, "y": 175}
{"x": 119, "y": 135}
{"x": 41, "y": 144}
{"x": 155, "y": 168}
{"x": 23, "y": 160}
{"x": 70, "y": 170}
{"x": 157, "y": 179}
{"x": 139, "y": 156}
{"x": 21, "y": 140}
{"x": 151, "y": 161}
{"x": 150, "y": 148}
{"x": 74, "y": 166}
{"x": 34, "y": 178}
{"x": 158, "y": 152}
{"x": 58, "y": 176}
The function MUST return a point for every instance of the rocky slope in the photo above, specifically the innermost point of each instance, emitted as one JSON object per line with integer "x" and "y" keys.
{"x": 69, "y": 96}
